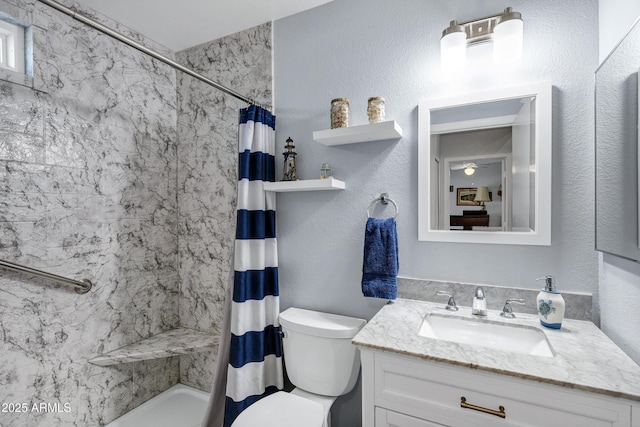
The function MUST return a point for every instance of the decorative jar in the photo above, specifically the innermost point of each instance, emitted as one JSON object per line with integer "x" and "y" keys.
{"x": 375, "y": 109}
{"x": 340, "y": 113}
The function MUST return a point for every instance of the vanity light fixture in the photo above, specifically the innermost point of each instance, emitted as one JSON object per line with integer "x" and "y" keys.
{"x": 505, "y": 30}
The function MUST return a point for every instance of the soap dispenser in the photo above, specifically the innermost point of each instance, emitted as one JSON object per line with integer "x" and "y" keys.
{"x": 550, "y": 304}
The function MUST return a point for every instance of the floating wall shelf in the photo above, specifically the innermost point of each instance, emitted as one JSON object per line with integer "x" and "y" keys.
{"x": 305, "y": 185}
{"x": 166, "y": 344}
{"x": 355, "y": 134}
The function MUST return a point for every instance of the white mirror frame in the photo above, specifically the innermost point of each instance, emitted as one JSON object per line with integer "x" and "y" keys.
{"x": 543, "y": 185}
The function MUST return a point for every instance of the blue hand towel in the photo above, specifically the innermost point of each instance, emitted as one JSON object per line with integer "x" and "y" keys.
{"x": 380, "y": 265}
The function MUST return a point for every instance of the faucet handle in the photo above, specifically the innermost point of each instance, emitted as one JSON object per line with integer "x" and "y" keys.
{"x": 507, "y": 310}
{"x": 451, "y": 304}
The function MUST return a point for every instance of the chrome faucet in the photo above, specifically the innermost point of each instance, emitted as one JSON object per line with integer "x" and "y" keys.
{"x": 451, "y": 304}
{"x": 507, "y": 310}
{"x": 479, "y": 303}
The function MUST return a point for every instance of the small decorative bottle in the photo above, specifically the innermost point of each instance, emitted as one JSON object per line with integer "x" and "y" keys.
{"x": 375, "y": 109}
{"x": 550, "y": 304}
{"x": 289, "y": 173}
{"x": 340, "y": 113}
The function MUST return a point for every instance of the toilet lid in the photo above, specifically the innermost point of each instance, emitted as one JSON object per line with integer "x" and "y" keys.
{"x": 281, "y": 409}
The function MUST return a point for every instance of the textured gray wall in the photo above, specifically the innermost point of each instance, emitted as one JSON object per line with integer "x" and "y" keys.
{"x": 392, "y": 49}
{"x": 358, "y": 49}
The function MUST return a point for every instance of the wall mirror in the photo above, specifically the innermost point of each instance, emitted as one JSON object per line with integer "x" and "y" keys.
{"x": 484, "y": 167}
{"x": 616, "y": 116}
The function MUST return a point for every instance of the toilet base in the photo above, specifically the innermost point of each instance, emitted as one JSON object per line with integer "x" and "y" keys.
{"x": 325, "y": 401}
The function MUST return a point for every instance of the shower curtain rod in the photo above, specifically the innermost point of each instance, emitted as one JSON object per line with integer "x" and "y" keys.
{"x": 134, "y": 44}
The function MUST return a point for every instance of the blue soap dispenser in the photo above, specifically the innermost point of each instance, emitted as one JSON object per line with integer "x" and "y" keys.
{"x": 550, "y": 304}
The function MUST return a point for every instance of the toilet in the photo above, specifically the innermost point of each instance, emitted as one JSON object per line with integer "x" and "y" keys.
{"x": 321, "y": 363}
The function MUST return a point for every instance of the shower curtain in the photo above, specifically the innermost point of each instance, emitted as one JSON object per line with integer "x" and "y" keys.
{"x": 249, "y": 364}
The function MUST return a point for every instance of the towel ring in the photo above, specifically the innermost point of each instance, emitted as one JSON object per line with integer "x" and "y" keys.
{"x": 384, "y": 199}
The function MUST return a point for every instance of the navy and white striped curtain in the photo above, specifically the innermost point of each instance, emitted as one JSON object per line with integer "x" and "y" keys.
{"x": 255, "y": 354}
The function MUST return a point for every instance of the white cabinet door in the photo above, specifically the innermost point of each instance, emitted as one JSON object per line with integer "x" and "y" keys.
{"x": 386, "y": 418}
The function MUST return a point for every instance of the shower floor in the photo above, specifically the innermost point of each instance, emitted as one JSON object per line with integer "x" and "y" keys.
{"x": 179, "y": 406}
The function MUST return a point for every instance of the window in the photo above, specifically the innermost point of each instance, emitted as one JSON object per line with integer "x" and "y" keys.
{"x": 12, "y": 51}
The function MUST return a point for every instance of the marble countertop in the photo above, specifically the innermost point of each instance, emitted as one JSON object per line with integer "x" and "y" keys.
{"x": 585, "y": 358}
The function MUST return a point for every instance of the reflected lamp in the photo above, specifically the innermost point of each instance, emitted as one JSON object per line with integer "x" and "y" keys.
{"x": 482, "y": 195}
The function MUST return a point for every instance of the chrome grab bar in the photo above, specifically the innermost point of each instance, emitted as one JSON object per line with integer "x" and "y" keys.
{"x": 81, "y": 286}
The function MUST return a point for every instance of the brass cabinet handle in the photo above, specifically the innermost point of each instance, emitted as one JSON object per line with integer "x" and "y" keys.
{"x": 499, "y": 413}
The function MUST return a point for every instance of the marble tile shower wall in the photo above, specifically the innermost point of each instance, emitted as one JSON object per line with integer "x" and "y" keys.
{"x": 87, "y": 189}
{"x": 207, "y": 177}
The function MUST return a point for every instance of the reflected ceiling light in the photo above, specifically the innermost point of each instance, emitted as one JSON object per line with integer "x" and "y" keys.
{"x": 469, "y": 170}
{"x": 505, "y": 30}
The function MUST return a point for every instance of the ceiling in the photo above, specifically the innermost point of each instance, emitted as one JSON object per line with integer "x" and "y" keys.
{"x": 186, "y": 23}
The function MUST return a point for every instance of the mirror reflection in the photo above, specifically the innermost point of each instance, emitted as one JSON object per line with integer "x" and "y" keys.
{"x": 484, "y": 172}
{"x": 616, "y": 114}
{"x": 494, "y": 160}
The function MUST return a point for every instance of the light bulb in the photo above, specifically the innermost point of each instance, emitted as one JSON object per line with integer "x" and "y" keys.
{"x": 453, "y": 48}
{"x": 507, "y": 38}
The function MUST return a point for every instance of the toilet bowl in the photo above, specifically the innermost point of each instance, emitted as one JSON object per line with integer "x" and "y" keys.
{"x": 284, "y": 409}
{"x": 320, "y": 361}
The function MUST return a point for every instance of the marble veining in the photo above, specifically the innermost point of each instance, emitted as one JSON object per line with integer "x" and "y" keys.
{"x": 207, "y": 177}
{"x": 585, "y": 358}
{"x": 116, "y": 168}
{"x": 578, "y": 305}
{"x": 165, "y": 344}
{"x": 87, "y": 190}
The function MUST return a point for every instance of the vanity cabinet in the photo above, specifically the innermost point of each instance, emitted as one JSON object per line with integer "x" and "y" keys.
{"x": 404, "y": 391}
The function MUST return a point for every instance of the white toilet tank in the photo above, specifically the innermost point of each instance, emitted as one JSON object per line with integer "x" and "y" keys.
{"x": 318, "y": 353}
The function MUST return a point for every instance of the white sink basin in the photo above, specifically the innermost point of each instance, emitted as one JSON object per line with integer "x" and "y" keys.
{"x": 482, "y": 333}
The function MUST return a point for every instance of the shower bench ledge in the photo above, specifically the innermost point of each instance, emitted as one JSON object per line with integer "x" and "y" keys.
{"x": 174, "y": 342}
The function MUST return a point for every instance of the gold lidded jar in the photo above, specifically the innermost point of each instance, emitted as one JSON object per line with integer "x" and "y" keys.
{"x": 340, "y": 113}
{"x": 375, "y": 109}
